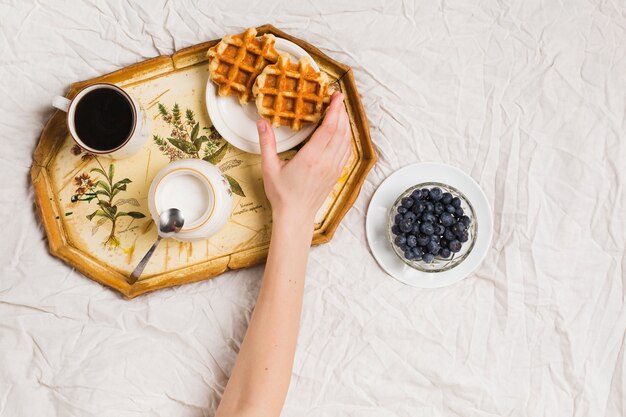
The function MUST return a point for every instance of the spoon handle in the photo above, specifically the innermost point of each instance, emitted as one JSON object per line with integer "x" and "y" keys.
{"x": 144, "y": 261}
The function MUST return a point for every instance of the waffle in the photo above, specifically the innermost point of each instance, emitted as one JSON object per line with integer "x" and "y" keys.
{"x": 237, "y": 60}
{"x": 291, "y": 94}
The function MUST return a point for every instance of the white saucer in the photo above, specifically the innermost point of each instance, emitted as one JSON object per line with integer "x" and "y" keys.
{"x": 237, "y": 123}
{"x": 378, "y": 215}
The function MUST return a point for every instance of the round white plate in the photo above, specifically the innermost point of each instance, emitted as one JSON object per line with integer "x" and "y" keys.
{"x": 378, "y": 215}
{"x": 237, "y": 123}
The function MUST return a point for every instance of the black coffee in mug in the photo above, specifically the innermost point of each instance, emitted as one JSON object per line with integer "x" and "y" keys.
{"x": 104, "y": 119}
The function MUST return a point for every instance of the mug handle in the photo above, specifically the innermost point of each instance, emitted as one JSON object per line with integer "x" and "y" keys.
{"x": 61, "y": 103}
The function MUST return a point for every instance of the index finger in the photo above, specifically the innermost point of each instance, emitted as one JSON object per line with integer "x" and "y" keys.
{"x": 326, "y": 130}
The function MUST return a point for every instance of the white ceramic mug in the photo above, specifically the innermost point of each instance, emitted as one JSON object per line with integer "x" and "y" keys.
{"x": 132, "y": 143}
{"x": 199, "y": 190}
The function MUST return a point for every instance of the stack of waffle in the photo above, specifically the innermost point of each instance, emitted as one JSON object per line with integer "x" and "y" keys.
{"x": 286, "y": 93}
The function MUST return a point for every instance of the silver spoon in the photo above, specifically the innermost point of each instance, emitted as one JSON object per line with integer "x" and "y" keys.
{"x": 170, "y": 223}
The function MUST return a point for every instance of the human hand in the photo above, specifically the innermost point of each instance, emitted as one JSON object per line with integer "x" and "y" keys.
{"x": 297, "y": 188}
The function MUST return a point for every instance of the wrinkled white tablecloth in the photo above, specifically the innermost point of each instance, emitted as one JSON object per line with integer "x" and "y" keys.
{"x": 528, "y": 97}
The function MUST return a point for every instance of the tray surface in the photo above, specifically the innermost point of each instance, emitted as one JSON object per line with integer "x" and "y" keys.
{"x": 106, "y": 245}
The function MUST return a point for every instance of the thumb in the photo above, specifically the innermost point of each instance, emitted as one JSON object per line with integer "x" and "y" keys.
{"x": 267, "y": 141}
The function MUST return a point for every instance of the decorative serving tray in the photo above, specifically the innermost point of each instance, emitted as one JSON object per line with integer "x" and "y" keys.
{"x": 106, "y": 245}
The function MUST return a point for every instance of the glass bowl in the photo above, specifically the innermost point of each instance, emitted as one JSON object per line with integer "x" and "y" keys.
{"x": 438, "y": 264}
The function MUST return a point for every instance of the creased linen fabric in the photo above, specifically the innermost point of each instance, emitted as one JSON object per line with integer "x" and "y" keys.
{"x": 528, "y": 97}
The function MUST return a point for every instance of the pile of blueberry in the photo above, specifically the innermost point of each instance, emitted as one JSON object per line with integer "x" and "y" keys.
{"x": 430, "y": 223}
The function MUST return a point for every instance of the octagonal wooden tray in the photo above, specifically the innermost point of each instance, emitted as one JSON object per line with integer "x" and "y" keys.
{"x": 171, "y": 89}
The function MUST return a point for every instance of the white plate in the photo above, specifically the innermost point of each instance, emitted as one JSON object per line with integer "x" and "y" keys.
{"x": 378, "y": 215}
{"x": 237, "y": 123}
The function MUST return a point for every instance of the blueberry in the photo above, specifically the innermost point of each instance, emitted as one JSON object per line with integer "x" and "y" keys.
{"x": 409, "y": 255}
{"x": 435, "y": 238}
{"x": 405, "y": 225}
{"x": 417, "y": 252}
{"x": 450, "y": 208}
{"x": 446, "y": 198}
{"x": 458, "y": 228}
{"x": 466, "y": 221}
{"x": 435, "y": 194}
{"x": 456, "y": 202}
{"x": 428, "y": 257}
{"x": 429, "y": 207}
{"x": 445, "y": 253}
{"x": 423, "y": 239}
{"x": 404, "y": 247}
{"x": 459, "y": 212}
{"x": 443, "y": 242}
{"x": 464, "y": 237}
{"x": 407, "y": 202}
{"x": 454, "y": 246}
{"x": 446, "y": 219}
{"x": 438, "y": 208}
{"x": 439, "y": 229}
{"x": 429, "y": 218}
{"x": 449, "y": 234}
{"x": 398, "y": 218}
{"x": 427, "y": 228}
{"x": 400, "y": 240}
{"x": 416, "y": 229}
{"x": 416, "y": 195}
{"x": 402, "y": 210}
{"x": 419, "y": 207}
{"x": 425, "y": 193}
{"x": 410, "y": 216}
{"x": 411, "y": 240}
{"x": 433, "y": 247}
{"x": 395, "y": 229}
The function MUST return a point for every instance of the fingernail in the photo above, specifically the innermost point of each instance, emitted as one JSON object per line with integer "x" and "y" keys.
{"x": 260, "y": 124}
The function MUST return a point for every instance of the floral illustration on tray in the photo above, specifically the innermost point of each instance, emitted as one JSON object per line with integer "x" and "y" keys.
{"x": 187, "y": 141}
{"x": 102, "y": 189}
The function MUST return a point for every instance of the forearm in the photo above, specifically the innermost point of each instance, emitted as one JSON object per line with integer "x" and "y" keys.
{"x": 260, "y": 378}
{"x": 296, "y": 188}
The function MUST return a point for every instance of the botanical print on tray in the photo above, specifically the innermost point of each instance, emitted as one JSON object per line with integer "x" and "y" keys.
{"x": 186, "y": 141}
{"x": 99, "y": 185}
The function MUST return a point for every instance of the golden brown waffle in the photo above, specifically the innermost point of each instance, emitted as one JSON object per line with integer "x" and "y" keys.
{"x": 291, "y": 94}
{"x": 237, "y": 60}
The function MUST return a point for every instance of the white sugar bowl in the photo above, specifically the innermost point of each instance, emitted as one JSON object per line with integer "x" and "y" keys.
{"x": 199, "y": 190}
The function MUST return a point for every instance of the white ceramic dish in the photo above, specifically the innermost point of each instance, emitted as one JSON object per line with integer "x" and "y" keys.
{"x": 376, "y": 223}
{"x": 199, "y": 190}
{"x": 237, "y": 123}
